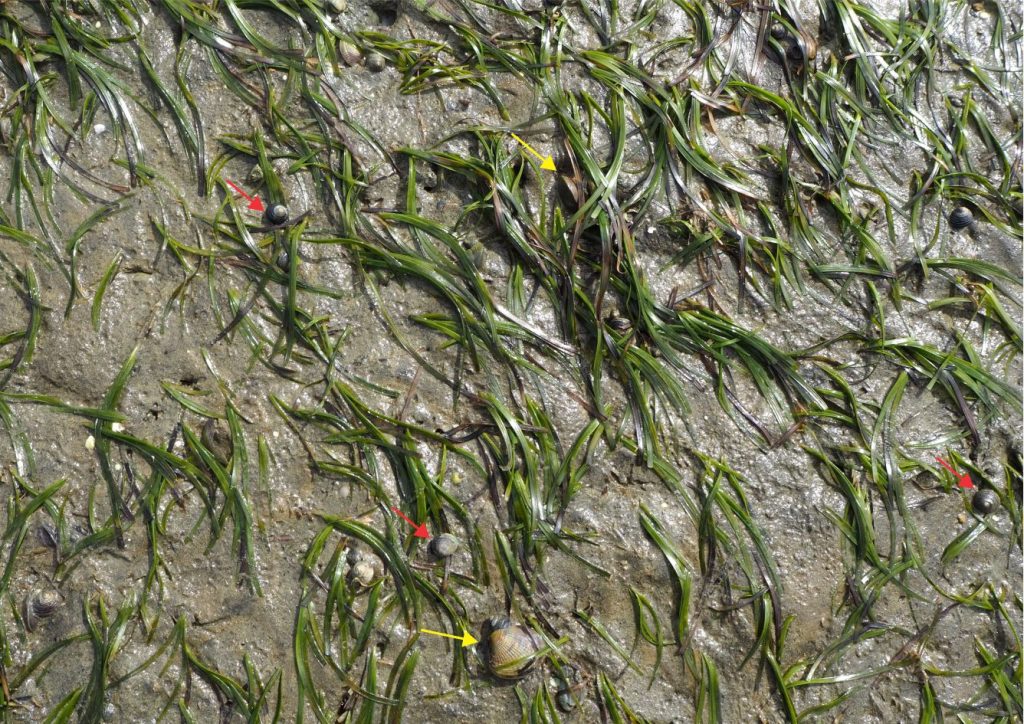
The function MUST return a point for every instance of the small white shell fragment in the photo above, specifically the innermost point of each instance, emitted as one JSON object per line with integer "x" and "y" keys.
{"x": 99, "y": 128}
{"x": 90, "y": 443}
{"x": 117, "y": 427}
{"x": 339, "y": 6}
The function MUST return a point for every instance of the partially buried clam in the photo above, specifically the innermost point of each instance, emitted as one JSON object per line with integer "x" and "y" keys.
{"x": 216, "y": 437}
{"x": 40, "y": 606}
{"x": 511, "y": 648}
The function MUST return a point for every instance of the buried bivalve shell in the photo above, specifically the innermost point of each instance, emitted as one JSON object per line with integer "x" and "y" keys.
{"x": 444, "y": 545}
{"x": 363, "y": 572}
{"x": 349, "y": 53}
{"x": 961, "y": 218}
{"x": 277, "y": 214}
{"x": 255, "y": 175}
{"x": 619, "y": 324}
{"x": 985, "y": 501}
{"x": 216, "y": 437}
{"x": 511, "y": 648}
{"x": 40, "y": 606}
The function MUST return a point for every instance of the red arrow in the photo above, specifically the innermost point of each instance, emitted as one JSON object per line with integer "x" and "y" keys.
{"x": 254, "y": 201}
{"x": 421, "y": 530}
{"x": 963, "y": 480}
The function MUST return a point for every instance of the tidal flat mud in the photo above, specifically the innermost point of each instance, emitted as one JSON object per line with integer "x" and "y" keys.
{"x": 289, "y": 290}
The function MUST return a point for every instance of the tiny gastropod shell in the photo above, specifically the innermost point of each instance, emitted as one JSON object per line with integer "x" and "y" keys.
{"x": 960, "y": 218}
{"x": 40, "y": 606}
{"x": 277, "y": 214}
{"x": 376, "y": 62}
{"x": 985, "y": 501}
{"x": 444, "y": 545}
{"x": 511, "y": 648}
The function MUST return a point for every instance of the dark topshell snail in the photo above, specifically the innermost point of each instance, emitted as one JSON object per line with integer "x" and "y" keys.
{"x": 511, "y": 648}
{"x": 444, "y": 545}
{"x": 277, "y": 214}
{"x": 985, "y": 501}
{"x": 960, "y": 218}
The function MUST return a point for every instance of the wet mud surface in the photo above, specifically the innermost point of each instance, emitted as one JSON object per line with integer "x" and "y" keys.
{"x": 689, "y": 443}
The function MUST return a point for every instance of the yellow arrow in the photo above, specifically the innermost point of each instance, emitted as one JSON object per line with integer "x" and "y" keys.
{"x": 466, "y": 637}
{"x": 548, "y": 164}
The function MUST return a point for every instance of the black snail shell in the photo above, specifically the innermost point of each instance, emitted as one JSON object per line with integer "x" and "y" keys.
{"x": 277, "y": 214}
{"x": 40, "y": 606}
{"x": 985, "y": 501}
{"x": 960, "y": 218}
{"x": 444, "y": 545}
{"x": 511, "y": 648}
